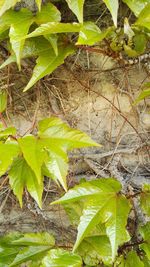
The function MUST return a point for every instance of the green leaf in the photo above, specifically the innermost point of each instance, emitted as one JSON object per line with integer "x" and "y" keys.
{"x": 7, "y": 132}
{"x": 6, "y": 4}
{"x": 144, "y": 94}
{"x": 17, "y": 248}
{"x": 140, "y": 42}
{"x": 57, "y": 132}
{"x": 33, "y": 154}
{"x": 3, "y": 100}
{"x": 21, "y": 176}
{"x": 145, "y": 232}
{"x": 113, "y": 6}
{"x": 29, "y": 253}
{"x": 18, "y": 30}
{"x": 48, "y": 13}
{"x": 89, "y": 34}
{"x": 102, "y": 204}
{"x": 9, "y": 60}
{"x": 95, "y": 249}
{"x": 89, "y": 219}
{"x": 7, "y": 255}
{"x": 76, "y": 7}
{"x": 48, "y": 62}
{"x": 59, "y": 257}
{"x": 146, "y": 262}
{"x": 39, "y": 3}
{"x": 34, "y": 239}
{"x": 55, "y": 27}
{"x": 144, "y": 17}
{"x": 8, "y": 152}
{"x": 116, "y": 223}
{"x": 53, "y": 39}
{"x": 136, "y": 5}
{"x": 57, "y": 165}
{"x": 145, "y": 199}
{"x": 92, "y": 189}
{"x": 133, "y": 260}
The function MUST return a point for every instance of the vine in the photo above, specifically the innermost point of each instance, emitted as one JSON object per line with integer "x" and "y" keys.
{"x": 100, "y": 209}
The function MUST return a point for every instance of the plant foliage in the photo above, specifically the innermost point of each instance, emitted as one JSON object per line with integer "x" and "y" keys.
{"x": 22, "y": 25}
{"x": 27, "y": 159}
{"x": 98, "y": 208}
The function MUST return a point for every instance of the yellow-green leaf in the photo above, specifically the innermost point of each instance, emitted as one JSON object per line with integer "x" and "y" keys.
{"x": 136, "y": 5}
{"x": 39, "y": 3}
{"x": 60, "y": 134}
{"x": 144, "y": 17}
{"x": 145, "y": 199}
{"x": 61, "y": 258}
{"x": 77, "y": 8}
{"x": 18, "y": 30}
{"x": 113, "y": 6}
{"x": 48, "y": 62}
{"x": 89, "y": 34}
{"x": 21, "y": 176}
{"x": 8, "y": 152}
{"x": 6, "y": 4}
{"x": 3, "y": 100}
{"x": 55, "y": 27}
{"x": 33, "y": 154}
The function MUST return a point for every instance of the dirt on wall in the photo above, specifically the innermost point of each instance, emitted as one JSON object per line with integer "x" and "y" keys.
{"x": 93, "y": 93}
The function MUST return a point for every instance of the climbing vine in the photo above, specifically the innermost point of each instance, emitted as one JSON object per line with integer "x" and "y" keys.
{"x": 100, "y": 209}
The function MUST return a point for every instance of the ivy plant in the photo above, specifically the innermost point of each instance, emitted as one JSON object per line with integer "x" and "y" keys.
{"x": 48, "y": 39}
{"x": 101, "y": 212}
{"x": 27, "y": 159}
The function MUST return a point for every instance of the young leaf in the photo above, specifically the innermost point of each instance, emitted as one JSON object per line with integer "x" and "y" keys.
{"x": 29, "y": 253}
{"x": 145, "y": 199}
{"x": 133, "y": 260}
{"x": 90, "y": 190}
{"x": 76, "y": 7}
{"x": 89, "y": 34}
{"x": 7, "y": 255}
{"x": 136, "y": 5}
{"x": 3, "y": 100}
{"x": 145, "y": 232}
{"x": 59, "y": 257}
{"x": 48, "y": 62}
{"x": 48, "y": 13}
{"x": 18, "y": 248}
{"x": 20, "y": 176}
{"x": 33, "y": 154}
{"x": 53, "y": 39}
{"x": 145, "y": 93}
{"x": 39, "y": 3}
{"x": 7, "y": 4}
{"x": 55, "y": 131}
{"x": 57, "y": 165}
{"x": 8, "y": 131}
{"x": 95, "y": 249}
{"x": 102, "y": 204}
{"x": 18, "y": 30}
{"x": 54, "y": 27}
{"x": 89, "y": 219}
{"x": 34, "y": 239}
{"x": 118, "y": 210}
{"x": 144, "y": 17}
{"x": 113, "y": 6}
{"x": 8, "y": 152}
